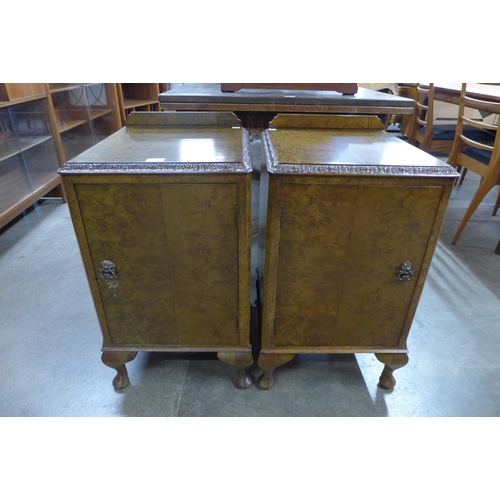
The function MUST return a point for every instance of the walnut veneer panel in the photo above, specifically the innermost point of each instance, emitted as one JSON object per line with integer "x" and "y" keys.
{"x": 349, "y": 273}
{"x": 160, "y": 237}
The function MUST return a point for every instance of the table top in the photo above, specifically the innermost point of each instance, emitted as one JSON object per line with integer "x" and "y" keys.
{"x": 450, "y": 92}
{"x": 209, "y": 97}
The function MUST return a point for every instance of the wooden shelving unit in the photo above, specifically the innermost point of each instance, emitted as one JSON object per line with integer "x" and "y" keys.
{"x": 139, "y": 97}
{"x": 44, "y": 125}
{"x": 84, "y": 113}
{"x": 28, "y": 152}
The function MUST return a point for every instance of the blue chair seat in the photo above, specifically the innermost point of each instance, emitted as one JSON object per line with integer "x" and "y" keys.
{"x": 478, "y": 154}
{"x": 446, "y": 132}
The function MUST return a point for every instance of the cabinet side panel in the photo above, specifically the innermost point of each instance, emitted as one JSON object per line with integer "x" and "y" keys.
{"x": 202, "y": 240}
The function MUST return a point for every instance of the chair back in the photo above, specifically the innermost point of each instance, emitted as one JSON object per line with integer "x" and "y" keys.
{"x": 480, "y": 152}
{"x": 474, "y": 159}
{"x": 426, "y": 134}
{"x": 423, "y": 116}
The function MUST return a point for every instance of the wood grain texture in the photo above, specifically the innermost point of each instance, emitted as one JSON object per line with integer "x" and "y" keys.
{"x": 160, "y": 238}
{"x": 340, "y": 249}
{"x": 13, "y": 91}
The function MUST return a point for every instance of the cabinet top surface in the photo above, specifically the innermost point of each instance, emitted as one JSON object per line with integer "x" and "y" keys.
{"x": 343, "y": 151}
{"x": 174, "y": 149}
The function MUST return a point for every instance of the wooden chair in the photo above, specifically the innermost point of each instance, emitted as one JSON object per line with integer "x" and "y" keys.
{"x": 479, "y": 156}
{"x": 435, "y": 138}
{"x": 424, "y": 133}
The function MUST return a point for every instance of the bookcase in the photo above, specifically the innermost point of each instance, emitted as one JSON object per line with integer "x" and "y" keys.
{"x": 139, "y": 97}
{"x": 43, "y": 125}
{"x": 84, "y": 115}
{"x": 28, "y": 151}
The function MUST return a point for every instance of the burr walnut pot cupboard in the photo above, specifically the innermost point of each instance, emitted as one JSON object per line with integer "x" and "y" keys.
{"x": 162, "y": 216}
{"x": 349, "y": 220}
{"x": 352, "y": 222}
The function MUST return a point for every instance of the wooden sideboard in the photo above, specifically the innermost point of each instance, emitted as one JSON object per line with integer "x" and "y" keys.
{"x": 350, "y": 220}
{"x": 161, "y": 210}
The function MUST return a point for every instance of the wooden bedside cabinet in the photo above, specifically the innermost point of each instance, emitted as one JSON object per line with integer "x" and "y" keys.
{"x": 161, "y": 210}
{"x": 353, "y": 218}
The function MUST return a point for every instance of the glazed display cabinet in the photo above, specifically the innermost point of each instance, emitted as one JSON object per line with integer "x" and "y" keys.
{"x": 42, "y": 125}
{"x": 85, "y": 113}
{"x": 28, "y": 155}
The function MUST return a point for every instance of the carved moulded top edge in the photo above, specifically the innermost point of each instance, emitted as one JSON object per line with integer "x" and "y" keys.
{"x": 381, "y": 170}
{"x": 153, "y": 168}
{"x": 274, "y": 167}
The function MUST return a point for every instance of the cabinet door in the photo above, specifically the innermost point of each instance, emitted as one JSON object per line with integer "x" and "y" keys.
{"x": 14, "y": 182}
{"x": 104, "y": 116}
{"x": 72, "y": 117}
{"x": 32, "y": 125}
{"x": 175, "y": 248}
{"x": 340, "y": 250}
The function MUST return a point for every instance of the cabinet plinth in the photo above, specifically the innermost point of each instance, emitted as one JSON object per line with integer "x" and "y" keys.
{"x": 162, "y": 216}
{"x": 353, "y": 219}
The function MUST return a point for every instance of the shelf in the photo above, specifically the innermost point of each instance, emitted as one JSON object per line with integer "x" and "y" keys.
{"x": 136, "y": 103}
{"x": 66, "y": 88}
{"x": 66, "y": 125}
{"x": 13, "y": 184}
{"x": 13, "y": 92}
{"x": 19, "y": 204}
{"x": 21, "y": 100}
{"x": 98, "y": 112}
{"x": 12, "y": 147}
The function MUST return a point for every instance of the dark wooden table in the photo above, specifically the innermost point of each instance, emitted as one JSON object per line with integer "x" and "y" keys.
{"x": 257, "y": 107}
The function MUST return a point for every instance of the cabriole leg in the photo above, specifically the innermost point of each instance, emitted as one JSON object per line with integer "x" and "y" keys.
{"x": 241, "y": 360}
{"x": 268, "y": 362}
{"x": 392, "y": 362}
{"x": 117, "y": 360}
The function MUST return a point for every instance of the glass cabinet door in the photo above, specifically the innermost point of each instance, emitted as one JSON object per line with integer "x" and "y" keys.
{"x": 32, "y": 126}
{"x": 14, "y": 182}
{"x": 102, "y": 103}
{"x": 72, "y": 116}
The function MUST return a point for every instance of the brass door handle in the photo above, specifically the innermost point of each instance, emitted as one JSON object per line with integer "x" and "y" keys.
{"x": 107, "y": 270}
{"x": 406, "y": 272}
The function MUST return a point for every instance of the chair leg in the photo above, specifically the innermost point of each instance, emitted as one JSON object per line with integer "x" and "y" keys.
{"x": 497, "y": 204}
{"x": 485, "y": 186}
{"x": 462, "y": 177}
